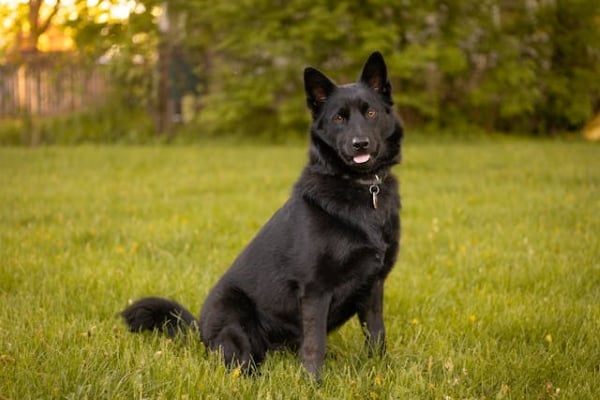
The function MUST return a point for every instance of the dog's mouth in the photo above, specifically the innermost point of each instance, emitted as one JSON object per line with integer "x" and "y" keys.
{"x": 361, "y": 158}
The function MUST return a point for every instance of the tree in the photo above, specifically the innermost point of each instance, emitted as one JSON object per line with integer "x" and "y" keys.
{"x": 26, "y": 22}
{"x": 571, "y": 84}
{"x": 37, "y": 23}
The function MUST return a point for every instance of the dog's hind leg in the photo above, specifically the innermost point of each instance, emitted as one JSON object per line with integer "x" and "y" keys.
{"x": 235, "y": 345}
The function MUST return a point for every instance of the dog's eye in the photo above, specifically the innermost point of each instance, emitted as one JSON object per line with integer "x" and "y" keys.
{"x": 338, "y": 119}
{"x": 371, "y": 113}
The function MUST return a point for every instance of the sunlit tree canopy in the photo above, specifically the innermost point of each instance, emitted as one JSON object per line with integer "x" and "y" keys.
{"x": 53, "y": 25}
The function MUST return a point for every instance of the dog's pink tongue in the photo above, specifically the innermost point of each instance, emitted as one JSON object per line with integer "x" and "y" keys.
{"x": 362, "y": 158}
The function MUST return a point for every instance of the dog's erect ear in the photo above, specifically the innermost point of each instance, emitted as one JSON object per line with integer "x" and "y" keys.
{"x": 374, "y": 75}
{"x": 318, "y": 89}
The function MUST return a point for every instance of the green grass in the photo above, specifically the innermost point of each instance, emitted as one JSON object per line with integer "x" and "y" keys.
{"x": 496, "y": 293}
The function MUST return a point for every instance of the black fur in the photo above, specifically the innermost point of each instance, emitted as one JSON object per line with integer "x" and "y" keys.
{"x": 155, "y": 312}
{"x": 324, "y": 256}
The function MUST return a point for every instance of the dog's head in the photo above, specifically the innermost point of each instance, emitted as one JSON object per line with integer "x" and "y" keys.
{"x": 354, "y": 128}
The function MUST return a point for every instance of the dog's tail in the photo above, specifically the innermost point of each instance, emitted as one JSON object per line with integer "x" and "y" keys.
{"x": 155, "y": 313}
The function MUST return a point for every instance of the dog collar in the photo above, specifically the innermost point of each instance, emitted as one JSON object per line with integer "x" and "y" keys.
{"x": 373, "y": 187}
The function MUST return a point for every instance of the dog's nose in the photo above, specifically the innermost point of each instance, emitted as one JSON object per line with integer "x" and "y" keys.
{"x": 360, "y": 143}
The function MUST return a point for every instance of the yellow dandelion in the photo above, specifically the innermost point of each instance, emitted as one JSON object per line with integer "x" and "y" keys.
{"x": 237, "y": 372}
{"x": 472, "y": 318}
{"x": 7, "y": 359}
{"x": 415, "y": 321}
{"x": 134, "y": 248}
{"x": 120, "y": 250}
{"x": 449, "y": 365}
{"x": 503, "y": 392}
{"x": 378, "y": 380}
{"x": 373, "y": 396}
{"x": 548, "y": 338}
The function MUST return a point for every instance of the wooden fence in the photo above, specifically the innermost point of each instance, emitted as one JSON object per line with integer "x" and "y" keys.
{"x": 47, "y": 87}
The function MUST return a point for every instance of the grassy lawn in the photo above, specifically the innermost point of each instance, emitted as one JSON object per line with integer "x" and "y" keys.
{"x": 496, "y": 293}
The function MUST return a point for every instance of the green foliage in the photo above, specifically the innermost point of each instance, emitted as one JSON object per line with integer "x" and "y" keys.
{"x": 112, "y": 123}
{"x": 10, "y": 132}
{"x": 127, "y": 52}
{"x": 514, "y": 66}
{"x": 108, "y": 124}
{"x": 496, "y": 293}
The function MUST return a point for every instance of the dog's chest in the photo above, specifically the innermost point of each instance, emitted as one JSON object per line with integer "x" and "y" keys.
{"x": 350, "y": 253}
{"x": 348, "y": 237}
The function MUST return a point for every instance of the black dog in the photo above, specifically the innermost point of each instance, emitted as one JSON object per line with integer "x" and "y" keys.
{"x": 323, "y": 257}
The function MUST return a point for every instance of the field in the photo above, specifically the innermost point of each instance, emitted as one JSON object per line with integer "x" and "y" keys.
{"x": 496, "y": 294}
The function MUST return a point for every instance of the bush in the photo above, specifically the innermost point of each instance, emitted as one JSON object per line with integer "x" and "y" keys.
{"x": 108, "y": 124}
{"x": 10, "y": 132}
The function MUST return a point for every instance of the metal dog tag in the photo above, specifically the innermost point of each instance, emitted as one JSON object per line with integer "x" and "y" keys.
{"x": 374, "y": 190}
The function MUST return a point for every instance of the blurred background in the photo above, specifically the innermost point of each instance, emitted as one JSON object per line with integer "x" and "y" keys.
{"x": 134, "y": 71}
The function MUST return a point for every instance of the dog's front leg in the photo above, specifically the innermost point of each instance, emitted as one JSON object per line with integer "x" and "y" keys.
{"x": 314, "y": 332}
{"x": 371, "y": 319}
